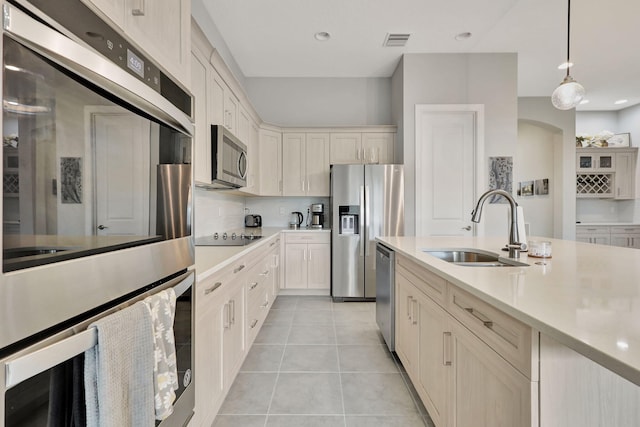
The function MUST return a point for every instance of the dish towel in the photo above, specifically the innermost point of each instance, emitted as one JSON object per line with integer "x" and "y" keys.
{"x": 118, "y": 370}
{"x": 163, "y": 309}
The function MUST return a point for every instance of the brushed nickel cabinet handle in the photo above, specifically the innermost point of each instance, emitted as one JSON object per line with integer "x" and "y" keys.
{"x": 446, "y": 348}
{"x": 253, "y": 286}
{"x": 240, "y": 268}
{"x": 138, "y": 11}
{"x": 481, "y": 317}
{"x": 213, "y": 288}
{"x": 254, "y": 323}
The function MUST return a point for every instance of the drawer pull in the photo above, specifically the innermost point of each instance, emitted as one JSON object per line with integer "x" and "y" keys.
{"x": 240, "y": 268}
{"x": 265, "y": 304}
{"x": 265, "y": 273}
{"x": 253, "y": 286}
{"x": 254, "y": 323}
{"x": 213, "y": 288}
{"x": 481, "y": 317}
{"x": 446, "y": 348}
{"x": 272, "y": 243}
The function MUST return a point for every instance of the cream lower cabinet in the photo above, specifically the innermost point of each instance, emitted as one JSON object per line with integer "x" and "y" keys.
{"x": 307, "y": 261}
{"x": 231, "y": 306}
{"x": 467, "y": 368}
{"x": 600, "y": 234}
{"x": 628, "y": 237}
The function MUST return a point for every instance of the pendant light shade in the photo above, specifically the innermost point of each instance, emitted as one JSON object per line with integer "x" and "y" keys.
{"x": 568, "y": 95}
{"x": 570, "y": 92}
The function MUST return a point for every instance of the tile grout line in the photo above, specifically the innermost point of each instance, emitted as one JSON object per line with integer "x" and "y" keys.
{"x": 335, "y": 332}
{"x": 275, "y": 384}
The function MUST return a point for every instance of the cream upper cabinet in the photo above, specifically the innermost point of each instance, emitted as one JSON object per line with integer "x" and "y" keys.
{"x": 377, "y": 147}
{"x": 253, "y": 160}
{"x": 243, "y": 124}
{"x": 305, "y": 164}
{"x": 270, "y": 148}
{"x": 318, "y": 164}
{"x": 362, "y": 147}
{"x": 216, "y": 98}
{"x": 231, "y": 107}
{"x": 200, "y": 82}
{"x": 625, "y": 178}
{"x": 346, "y": 148}
{"x": 162, "y": 29}
{"x": 294, "y": 164}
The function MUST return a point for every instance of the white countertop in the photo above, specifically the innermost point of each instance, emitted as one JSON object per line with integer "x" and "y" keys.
{"x": 210, "y": 259}
{"x": 586, "y": 296}
{"x": 595, "y": 224}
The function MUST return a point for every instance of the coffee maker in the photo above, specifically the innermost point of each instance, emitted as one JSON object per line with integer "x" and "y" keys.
{"x": 317, "y": 215}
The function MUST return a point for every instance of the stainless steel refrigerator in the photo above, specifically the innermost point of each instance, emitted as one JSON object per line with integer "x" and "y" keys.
{"x": 366, "y": 201}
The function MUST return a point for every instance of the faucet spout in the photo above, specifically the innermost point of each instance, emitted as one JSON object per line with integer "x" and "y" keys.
{"x": 514, "y": 244}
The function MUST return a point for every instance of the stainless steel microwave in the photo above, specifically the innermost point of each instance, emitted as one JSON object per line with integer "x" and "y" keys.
{"x": 228, "y": 160}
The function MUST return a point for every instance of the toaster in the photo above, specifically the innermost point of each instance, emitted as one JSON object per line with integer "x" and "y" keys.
{"x": 253, "y": 221}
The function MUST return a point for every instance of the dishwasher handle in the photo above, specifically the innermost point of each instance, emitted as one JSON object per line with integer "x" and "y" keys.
{"x": 384, "y": 251}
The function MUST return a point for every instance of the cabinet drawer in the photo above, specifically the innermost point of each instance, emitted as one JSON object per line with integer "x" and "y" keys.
{"x": 507, "y": 336}
{"x": 431, "y": 284}
{"x": 302, "y": 237}
{"x": 621, "y": 229}
{"x": 590, "y": 231}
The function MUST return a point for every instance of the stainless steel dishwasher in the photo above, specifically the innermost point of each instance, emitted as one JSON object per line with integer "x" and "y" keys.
{"x": 385, "y": 294}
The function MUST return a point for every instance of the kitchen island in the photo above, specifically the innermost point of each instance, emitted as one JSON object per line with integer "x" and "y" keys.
{"x": 581, "y": 306}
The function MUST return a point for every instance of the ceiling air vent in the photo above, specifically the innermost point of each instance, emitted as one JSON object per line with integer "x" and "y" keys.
{"x": 396, "y": 39}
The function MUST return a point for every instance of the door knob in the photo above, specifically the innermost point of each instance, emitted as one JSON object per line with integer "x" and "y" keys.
{"x": 468, "y": 228}
{"x": 102, "y": 227}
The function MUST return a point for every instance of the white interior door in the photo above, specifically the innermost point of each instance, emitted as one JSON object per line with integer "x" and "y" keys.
{"x": 448, "y": 148}
{"x": 121, "y": 146}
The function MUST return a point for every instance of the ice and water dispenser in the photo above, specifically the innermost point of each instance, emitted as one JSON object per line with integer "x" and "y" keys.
{"x": 348, "y": 219}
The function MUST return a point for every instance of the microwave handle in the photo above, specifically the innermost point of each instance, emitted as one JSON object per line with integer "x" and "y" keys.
{"x": 31, "y": 364}
{"x": 242, "y": 160}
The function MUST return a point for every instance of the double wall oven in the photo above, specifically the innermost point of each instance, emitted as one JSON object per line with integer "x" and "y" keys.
{"x": 96, "y": 206}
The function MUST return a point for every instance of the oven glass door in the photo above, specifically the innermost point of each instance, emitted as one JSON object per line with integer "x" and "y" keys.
{"x": 84, "y": 171}
{"x": 55, "y": 397}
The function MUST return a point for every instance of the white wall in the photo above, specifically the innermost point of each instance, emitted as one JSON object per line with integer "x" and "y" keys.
{"x": 321, "y": 101}
{"x": 540, "y": 110}
{"x": 535, "y": 160}
{"x": 489, "y": 79}
{"x": 593, "y": 122}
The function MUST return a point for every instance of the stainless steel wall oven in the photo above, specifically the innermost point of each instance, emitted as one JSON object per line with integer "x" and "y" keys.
{"x": 97, "y": 178}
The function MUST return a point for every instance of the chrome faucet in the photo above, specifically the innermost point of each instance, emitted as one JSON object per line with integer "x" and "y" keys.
{"x": 514, "y": 245}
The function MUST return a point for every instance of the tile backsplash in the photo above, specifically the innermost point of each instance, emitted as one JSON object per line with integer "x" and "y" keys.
{"x": 217, "y": 211}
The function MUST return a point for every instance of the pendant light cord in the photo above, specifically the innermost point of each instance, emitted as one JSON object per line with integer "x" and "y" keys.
{"x": 568, "y": 33}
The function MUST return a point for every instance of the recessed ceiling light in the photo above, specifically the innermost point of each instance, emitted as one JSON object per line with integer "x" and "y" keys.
{"x": 322, "y": 36}
{"x": 565, "y": 65}
{"x": 621, "y": 101}
{"x": 463, "y": 36}
{"x": 584, "y": 101}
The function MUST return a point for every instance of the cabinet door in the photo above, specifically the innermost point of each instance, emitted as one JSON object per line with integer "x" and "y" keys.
{"x": 113, "y": 9}
{"x": 346, "y": 148}
{"x": 162, "y": 29}
{"x": 293, "y": 164}
{"x": 231, "y": 111}
{"x": 232, "y": 319}
{"x": 270, "y": 163}
{"x": 435, "y": 358}
{"x": 406, "y": 326}
{"x": 202, "y": 136}
{"x": 216, "y": 98}
{"x": 253, "y": 162}
{"x": 244, "y": 125}
{"x": 318, "y": 164}
{"x": 208, "y": 358}
{"x": 625, "y": 176}
{"x": 295, "y": 275}
{"x": 319, "y": 266}
{"x": 378, "y": 147}
{"x": 486, "y": 390}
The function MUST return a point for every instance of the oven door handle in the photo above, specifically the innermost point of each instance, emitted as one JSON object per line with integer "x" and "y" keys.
{"x": 31, "y": 364}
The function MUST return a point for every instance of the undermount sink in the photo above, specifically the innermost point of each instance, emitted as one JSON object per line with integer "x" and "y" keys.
{"x": 473, "y": 258}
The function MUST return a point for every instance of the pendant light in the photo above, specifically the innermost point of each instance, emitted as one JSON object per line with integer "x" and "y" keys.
{"x": 570, "y": 92}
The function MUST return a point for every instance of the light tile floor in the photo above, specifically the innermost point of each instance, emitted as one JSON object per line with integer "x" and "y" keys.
{"x": 316, "y": 363}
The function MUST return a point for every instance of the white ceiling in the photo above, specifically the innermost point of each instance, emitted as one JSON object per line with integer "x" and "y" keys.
{"x": 275, "y": 38}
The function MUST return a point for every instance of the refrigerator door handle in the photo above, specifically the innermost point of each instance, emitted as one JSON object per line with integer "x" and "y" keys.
{"x": 363, "y": 230}
{"x": 367, "y": 221}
